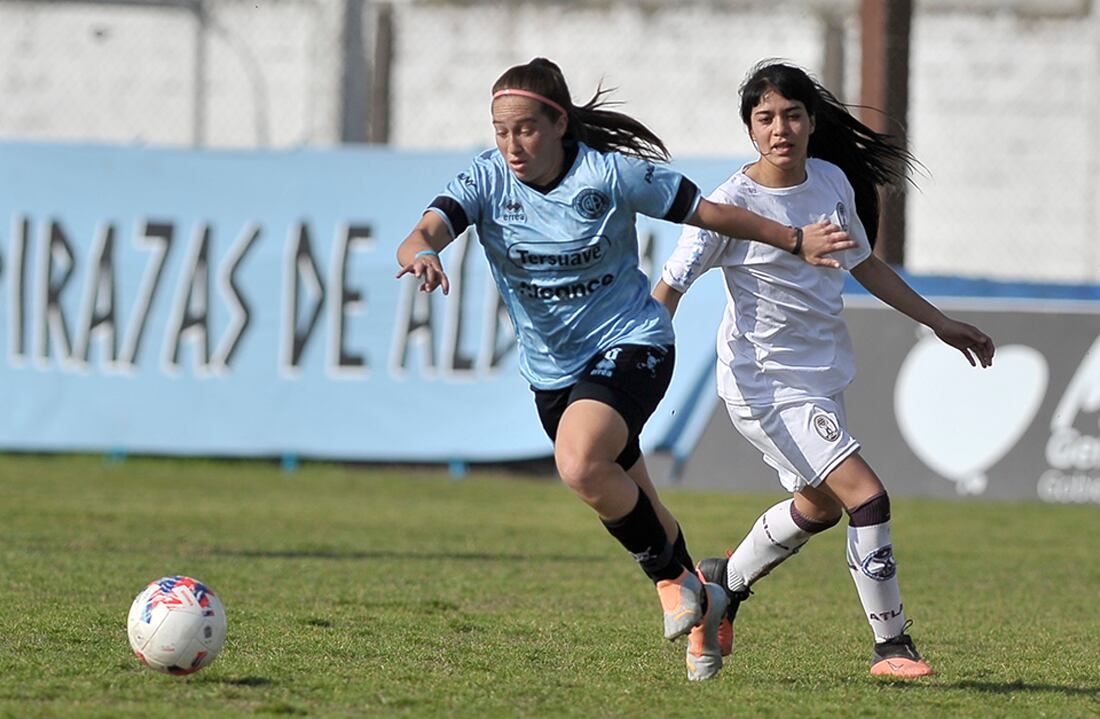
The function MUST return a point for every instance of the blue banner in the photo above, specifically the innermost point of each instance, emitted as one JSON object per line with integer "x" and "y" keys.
{"x": 244, "y": 304}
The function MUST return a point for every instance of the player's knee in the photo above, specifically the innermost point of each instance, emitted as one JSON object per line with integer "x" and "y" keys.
{"x": 822, "y": 516}
{"x": 579, "y": 471}
{"x": 875, "y": 510}
{"x": 815, "y": 511}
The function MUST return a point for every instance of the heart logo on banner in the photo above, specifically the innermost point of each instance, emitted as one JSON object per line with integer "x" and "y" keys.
{"x": 961, "y": 420}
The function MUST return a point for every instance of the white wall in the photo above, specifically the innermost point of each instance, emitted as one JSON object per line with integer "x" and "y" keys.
{"x": 1003, "y": 95}
{"x": 85, "y": 71}
{"x": 1004, "y": 114}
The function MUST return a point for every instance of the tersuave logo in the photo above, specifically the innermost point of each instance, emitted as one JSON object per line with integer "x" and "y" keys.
{"x": 556, "y": 256}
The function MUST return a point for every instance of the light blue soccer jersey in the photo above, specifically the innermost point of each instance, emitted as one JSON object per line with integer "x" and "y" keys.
{"x": 566, "y": 260}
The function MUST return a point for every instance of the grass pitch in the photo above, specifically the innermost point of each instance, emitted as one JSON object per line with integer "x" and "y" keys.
{"x": 354, "y": 592}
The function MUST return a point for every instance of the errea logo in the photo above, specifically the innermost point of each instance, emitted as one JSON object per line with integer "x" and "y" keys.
{"x": 513, "y": 211}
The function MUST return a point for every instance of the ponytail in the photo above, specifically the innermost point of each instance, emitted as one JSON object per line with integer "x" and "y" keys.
{"x": 601, "y": 129}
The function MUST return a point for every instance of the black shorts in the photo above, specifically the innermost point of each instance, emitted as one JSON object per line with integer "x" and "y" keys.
{"x": 631, "y": 379}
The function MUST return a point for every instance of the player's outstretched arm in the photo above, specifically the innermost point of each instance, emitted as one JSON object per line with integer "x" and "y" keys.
{"x": 418, "y": 254}
{"x": 881, "y": 281}
{"x": 813, "y": 242}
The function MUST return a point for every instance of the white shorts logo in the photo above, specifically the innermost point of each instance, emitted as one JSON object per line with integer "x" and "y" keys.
{"x": 826, "y": 426}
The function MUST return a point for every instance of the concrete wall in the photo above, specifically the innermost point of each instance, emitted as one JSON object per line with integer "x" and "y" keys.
{"x": 242, "y": 74}
{"x": 1004, "y": 95}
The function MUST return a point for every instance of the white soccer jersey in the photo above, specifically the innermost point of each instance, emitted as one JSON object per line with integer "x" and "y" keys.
{"x": 782, "y": 337}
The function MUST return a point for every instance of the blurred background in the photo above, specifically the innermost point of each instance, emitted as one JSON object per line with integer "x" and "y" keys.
{"x": 997, "y": 98}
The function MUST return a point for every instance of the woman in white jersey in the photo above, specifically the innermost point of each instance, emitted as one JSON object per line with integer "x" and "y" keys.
{"x": 784, "y": 356}
{"x": 554, "y": 206}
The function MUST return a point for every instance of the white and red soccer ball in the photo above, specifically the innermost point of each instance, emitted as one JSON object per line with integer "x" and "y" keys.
{"x": 176, "y": 625}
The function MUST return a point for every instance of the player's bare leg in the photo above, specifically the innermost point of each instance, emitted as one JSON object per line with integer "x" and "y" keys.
{"x": 589, "y": 439}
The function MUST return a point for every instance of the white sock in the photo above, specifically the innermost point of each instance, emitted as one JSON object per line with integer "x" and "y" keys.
{"x": 871, "y": 561}
{"x": 772, "y": 539}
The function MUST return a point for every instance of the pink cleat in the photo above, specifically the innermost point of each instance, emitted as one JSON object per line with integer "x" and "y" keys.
{"x": 898, "y": 657}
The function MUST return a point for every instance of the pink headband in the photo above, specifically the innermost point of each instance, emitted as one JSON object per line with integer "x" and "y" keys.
{"x": 533, "y": 96}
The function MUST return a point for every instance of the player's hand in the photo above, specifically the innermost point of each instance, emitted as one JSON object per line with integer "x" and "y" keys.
{"x": 429, "y": 269}
{"x": 821, "y": 239}
{"x": 967, "y": 339}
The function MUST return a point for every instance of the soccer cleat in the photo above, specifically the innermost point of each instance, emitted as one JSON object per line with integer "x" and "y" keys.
{"x": 713, "y": 570}
{"x": 682, "y": 603}
{"x": 704, "y": 650}
{"x": 898, "y": 657}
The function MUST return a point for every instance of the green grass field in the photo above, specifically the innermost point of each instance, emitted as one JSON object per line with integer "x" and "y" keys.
{"x": 367, "y": 592}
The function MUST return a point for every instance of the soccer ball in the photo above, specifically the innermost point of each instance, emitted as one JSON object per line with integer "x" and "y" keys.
{"x": 176, "y": 625}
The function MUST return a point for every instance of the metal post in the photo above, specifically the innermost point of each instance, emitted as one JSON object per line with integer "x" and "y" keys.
{"x": 198, "y": 101}
{"x": 885, "y": 88}
{"x": 355, "y": 80}
{"x": 378, "y": 125}
{"x": 833, "y": 63}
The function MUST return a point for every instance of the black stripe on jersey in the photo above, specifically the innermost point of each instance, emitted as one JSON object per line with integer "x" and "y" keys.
{"x": 683, "y": 203}
{"x": 454, "y": 212}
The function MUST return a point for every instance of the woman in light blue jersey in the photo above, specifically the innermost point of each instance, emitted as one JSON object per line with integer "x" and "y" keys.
{"x": 555, "y": 207}
{"x": 784, "y": 356}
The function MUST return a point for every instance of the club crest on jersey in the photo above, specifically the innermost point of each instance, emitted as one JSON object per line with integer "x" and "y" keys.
{"x": 841, "y": 215}
{"x": 827, "y": 427}
{"x": 591, "y": 204}
{"x": 513, "y": 212}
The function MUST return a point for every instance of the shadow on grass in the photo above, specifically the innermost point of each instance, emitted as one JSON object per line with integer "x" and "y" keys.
{"x": 1017, "y": 687}
{"x": 1025, "y": 688}
{"x": 247, "y": 681}
{"x": 404, "y": 556}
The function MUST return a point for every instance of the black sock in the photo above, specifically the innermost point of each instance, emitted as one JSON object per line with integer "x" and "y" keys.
{"x": 640, "y": 532}
{"x": 680, "y": 550}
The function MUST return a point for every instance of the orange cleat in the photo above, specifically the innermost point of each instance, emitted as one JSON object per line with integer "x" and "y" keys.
{"x": 682, "y": 603}
{"x": 713, "y": 570}
{"x": 704, "y": 650}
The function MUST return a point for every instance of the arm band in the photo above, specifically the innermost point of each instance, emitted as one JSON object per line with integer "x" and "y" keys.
{"x": 453, "y": 212}
{"x": 683, "y": 203}
{"x": 797, "y": 240}
{"x": 426, "y": 253}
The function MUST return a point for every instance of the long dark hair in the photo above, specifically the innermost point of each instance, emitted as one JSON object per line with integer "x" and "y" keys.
{"x": 868, "y": 158}
{"x": 601, "y": 129}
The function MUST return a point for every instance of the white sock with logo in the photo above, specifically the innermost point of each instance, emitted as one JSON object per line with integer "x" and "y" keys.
{"x": 871, "y": 562}
{"x": 777, "y": 534}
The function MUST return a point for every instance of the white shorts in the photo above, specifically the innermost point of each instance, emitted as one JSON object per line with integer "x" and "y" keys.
{"x": 802, "y": 440}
